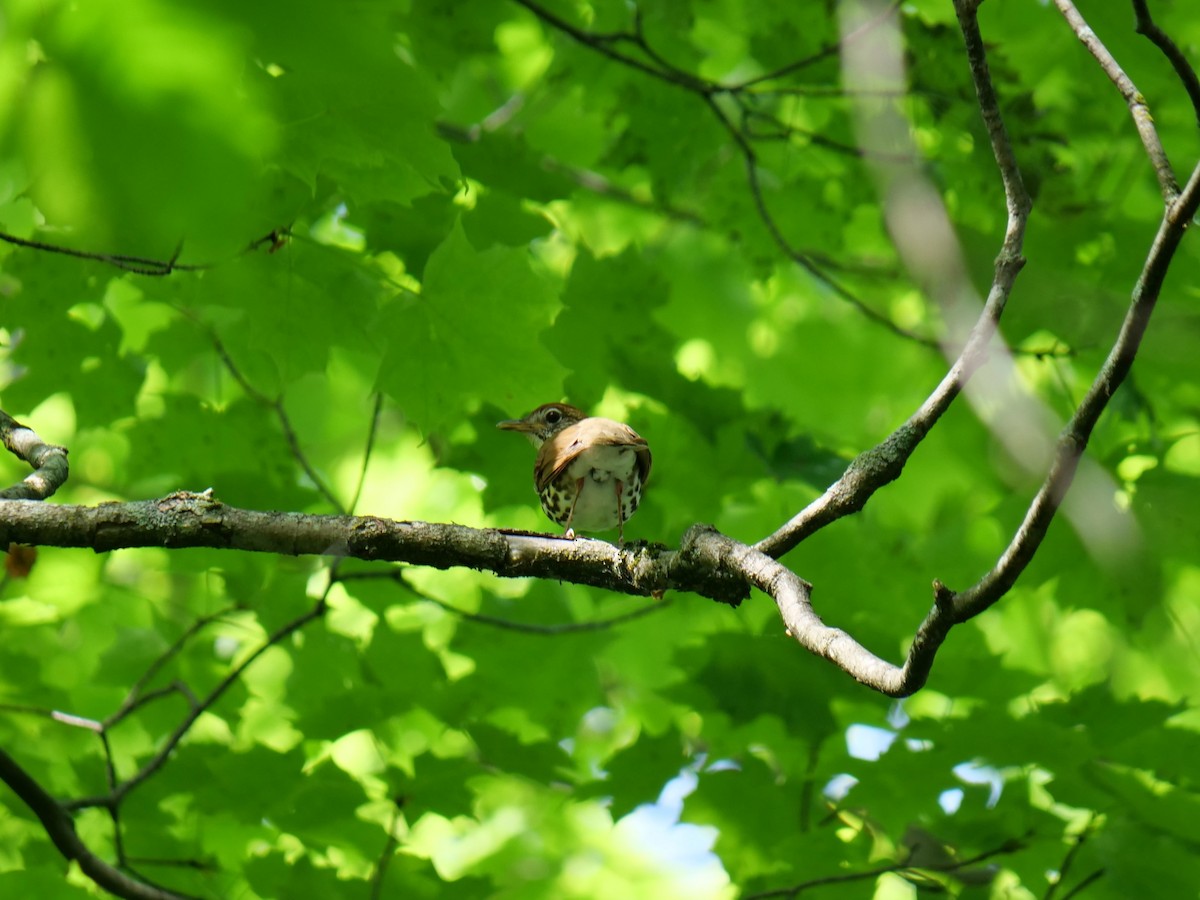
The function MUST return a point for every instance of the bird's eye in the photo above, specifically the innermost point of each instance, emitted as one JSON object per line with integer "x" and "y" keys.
{"x": 552, "y": 416}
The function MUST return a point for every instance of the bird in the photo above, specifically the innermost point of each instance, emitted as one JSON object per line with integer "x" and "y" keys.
{"x": 590, "y": 472}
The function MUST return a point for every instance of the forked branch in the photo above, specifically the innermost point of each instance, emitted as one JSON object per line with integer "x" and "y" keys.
{"x": 883, "y": 464}
{"x": 48, "y": 460}
{"x": 1183, "y": 67}
{"x": 61, "y": 830}
{"x": 1074, "y": 438}
{"x": 1138, "y": 108}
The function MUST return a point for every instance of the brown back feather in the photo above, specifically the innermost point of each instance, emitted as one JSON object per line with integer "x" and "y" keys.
{"x": 562, "y": 449}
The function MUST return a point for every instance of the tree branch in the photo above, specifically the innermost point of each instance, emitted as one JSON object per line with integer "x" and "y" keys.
{"x": 951, "y": 866}
{"x": 1183, "y": 68}
{"x": 118, "y": 791}
{"x": 49, "y": 461}
{"x": 1074, "y": 438}
{"x": 603, "y": 44}
{"x": 141, "y": 265}
{"x": 276, "y": 406}
{"x": 883, "y": 464}
{"x": 197, "y": 520}
{"x": 707, "y": 563}
{"x": 397, "y": 575}
{"x": 1133, "y": 98}
{"x": 742, "y": 137}
{"x": 1089, "y": 829}
{"x": 61, "y": 831}
{"x": 791, "y": 594}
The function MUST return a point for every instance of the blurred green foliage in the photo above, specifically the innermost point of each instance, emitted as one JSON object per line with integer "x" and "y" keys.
{"x": 462, "y": 208}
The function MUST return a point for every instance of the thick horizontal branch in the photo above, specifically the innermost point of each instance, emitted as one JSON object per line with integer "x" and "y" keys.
{"x": 707, "y": 563}
{"x": 198, "y": 520}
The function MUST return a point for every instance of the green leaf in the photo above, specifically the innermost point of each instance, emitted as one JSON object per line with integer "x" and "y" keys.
{"x": 257, "y": 246}
{"x": 478, "y": 312}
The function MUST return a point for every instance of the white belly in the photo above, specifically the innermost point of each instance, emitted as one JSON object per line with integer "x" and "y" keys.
{"x": 601, "y": 468}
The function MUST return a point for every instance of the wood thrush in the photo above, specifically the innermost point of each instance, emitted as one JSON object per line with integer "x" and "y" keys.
{"x": 589, "y": 471}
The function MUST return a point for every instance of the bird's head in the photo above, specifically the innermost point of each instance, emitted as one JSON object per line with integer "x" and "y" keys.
{"x": 544, "y": 422}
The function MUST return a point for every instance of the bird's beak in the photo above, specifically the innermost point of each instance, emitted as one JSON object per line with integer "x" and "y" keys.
{"x": 515, "y": 425}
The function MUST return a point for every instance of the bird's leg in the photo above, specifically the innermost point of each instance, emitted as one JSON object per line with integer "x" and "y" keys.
{"x": 620, "y": 515}
{"x": 570, "y": 532}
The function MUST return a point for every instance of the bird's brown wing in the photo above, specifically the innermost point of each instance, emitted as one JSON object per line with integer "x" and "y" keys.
{"x": 627, "y": 435}
{"x": 556, "y": 454}
{"x": 562, "y": 449}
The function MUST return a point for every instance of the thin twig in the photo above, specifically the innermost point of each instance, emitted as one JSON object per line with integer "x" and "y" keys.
{"x": 829, "y": 50}
{"x": 750, "y": 160}
{"x": 883, "y": 464}
{"x": 825, "y": 91}
{"x": 61, "y": 831}
{"x": 140, "y": 700}
{"x": 135, "y": 698}
{"x": 1064, "y": 868}
{"x": 397, "y": 576}
{"x": 114, "y": 812}
{"x": 1085, "y": 883}
{"x": 275, "y": 404}
{"x": 388, "y": 853}
{"x": 781, "y": 131}
{"x": 115, "y": 796}
{"x": 549, "y": 630}
{"x": 1183, "y": 67}
{"x": 1010, "y": 846}
{"x": 54, "y": 715}
{"x": 808, "y": 786}
{"x": 1074, "y": 438}
{"x": 372, "y": 431}
{"x": 139, "y": 265}
{"x": 605, "y": 187}
{"x": 199, "y": 865}
{"x": 603, "y": 44}
{"x": 1142, "y": 119}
